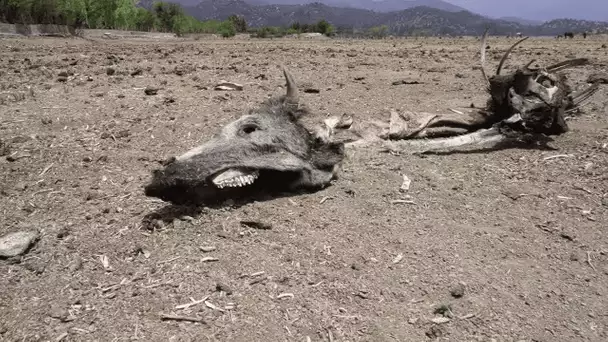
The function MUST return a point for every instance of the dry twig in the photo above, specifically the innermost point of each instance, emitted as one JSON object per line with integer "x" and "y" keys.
{"x": 192, "y": 303}
{"x": 171, "y": 317}
{"x": 589, "y": 261}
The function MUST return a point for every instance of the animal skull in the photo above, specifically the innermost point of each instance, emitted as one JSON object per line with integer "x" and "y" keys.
{"x": 266, "y": 151}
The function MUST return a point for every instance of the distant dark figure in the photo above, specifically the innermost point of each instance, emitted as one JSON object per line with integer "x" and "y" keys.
{"x": 584, "y": 35}
{"x": 569, "y": 35}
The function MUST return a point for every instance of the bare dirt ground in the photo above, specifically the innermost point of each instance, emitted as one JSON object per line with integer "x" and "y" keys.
{"x": 507, "y": 245}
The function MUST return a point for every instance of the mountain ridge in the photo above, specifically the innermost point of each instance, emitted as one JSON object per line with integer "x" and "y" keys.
{"x": 376, "y": 6}
{"x": 420, "y": 20}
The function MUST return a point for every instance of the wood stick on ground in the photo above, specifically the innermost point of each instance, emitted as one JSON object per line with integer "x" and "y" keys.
{"x": 46, "y": 169}
{"x": 558, "y": 156}
{"x": 170, "y": 317}
{"x": 61, "y": 337}
{"x": 589, "y": 261}
{"x": 330, "y": 336}
{"x": 192, "y": 303}
{"x": 166, "y": 261}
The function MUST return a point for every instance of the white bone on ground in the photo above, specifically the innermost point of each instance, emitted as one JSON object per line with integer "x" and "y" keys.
{"x": 234, "y": 178}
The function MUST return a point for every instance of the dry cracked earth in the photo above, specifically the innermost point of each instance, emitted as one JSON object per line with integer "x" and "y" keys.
{"x": 506, "y": 245}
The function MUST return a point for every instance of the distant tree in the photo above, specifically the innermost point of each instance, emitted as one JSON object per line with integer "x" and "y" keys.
{"x": 168, "y": 15}
{"x": 227, "y": 29}
{"x": 125, "y": 15}
{"x": 144, "y": 19}
{"x": 378, "y": 31}
{"x": 307, "y": 28}
{"x": 296, "y": 27}
{"x": 240, "y": 25}
{"x": 324, "y": 27}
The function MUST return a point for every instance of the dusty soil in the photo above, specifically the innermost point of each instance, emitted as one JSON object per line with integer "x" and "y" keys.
{"x": 498, "y": 246}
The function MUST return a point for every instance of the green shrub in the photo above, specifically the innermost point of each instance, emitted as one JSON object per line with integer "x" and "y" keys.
{"x": 227, "y": 29}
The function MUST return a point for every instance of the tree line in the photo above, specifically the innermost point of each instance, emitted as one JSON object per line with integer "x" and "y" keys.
{"x": 127, "y": 15}
{"x": 115, "y": 14}
{"x": 321, "y": 26}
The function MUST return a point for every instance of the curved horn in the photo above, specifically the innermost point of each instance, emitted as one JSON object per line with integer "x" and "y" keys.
{"x": 292, "y": 90}
{"x": 483, "y": 55}
{"x": 504, "y": 58}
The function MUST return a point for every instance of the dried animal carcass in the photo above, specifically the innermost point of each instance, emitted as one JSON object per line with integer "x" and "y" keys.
{"x": 265, "y": 151}
{"x": 526, "y": 104}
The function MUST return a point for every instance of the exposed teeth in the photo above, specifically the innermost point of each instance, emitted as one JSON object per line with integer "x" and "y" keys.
{"x": 235, "y": 178}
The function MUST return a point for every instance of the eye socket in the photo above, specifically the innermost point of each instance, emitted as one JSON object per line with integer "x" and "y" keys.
{"x": 250, "y": 128}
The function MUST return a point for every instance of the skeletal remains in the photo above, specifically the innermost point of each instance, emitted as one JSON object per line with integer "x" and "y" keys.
{"x": 266, "y": 151}
{"x": 528, "y": 104}
{"x": 269, "y": 150}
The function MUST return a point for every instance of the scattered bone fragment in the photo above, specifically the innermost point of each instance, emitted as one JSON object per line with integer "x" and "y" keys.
{"x": 228, "y": 86}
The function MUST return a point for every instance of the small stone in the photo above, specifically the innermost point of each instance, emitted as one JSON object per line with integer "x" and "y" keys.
{"x": 63, "y": 74}
{"x": 434, "y": 332}
{"x": 599, "y": 77}
{"x": 136, "y": 72}
{"x": 567, "y": 235}
{"x": 58, "y": 312}
{"x": 457, "y": 291}
{"x": 63, "y": 232}
{"x": 76, "y": 264}
{"x": 62, "y": 79}
{"x": 256, "y": 225}
{"x": 35, "y": 265}
{"x": 221, "y": 287}
{"x": 574, "y": 257}
{"x": 179, "y": 224}
{"x": 21, "y": 186}
{"x": 4, "y": 149}
{"x": 151, "y": 91}
{"x": 444, "y": 309}
{"x": 17, "y": 243}
{"x": 110, "y": 71}
{"x": 123, "y": 133}
{"x": 207, "y": 249}
{"x": 440, "y": 320}
{"x": 355, "y": 266}
{"x": 87, "y": 159}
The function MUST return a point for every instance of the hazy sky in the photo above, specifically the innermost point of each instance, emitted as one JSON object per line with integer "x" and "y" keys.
{"x": 538, "y": 9}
